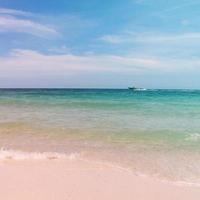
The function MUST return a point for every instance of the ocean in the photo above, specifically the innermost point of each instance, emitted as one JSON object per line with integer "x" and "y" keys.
{"x": 153, "y": 132}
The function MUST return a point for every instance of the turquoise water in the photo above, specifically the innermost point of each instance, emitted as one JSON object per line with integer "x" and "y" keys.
{"x": 153, "y": 132}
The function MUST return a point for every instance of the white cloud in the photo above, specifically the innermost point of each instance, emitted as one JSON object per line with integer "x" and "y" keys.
{"x": 10, "y": 23}
{"x": 132, "y": 37}
{"x": 27, "y": 60}
{"x": 14, "y": 12}
{"x": 23, "y": 62}
{"x": 27, "y": 68}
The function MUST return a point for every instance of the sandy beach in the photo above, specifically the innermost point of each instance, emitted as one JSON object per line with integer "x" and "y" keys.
{"x": 76, "y": 179}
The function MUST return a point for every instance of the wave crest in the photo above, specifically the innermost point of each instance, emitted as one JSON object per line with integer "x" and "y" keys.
{"x": 193, "y": 137}
{"x": 21, "y": 155}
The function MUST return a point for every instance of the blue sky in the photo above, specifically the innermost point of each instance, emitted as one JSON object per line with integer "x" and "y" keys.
{"x": 99, "y": 43}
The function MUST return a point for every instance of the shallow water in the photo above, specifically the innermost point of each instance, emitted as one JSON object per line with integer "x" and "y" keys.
{"x": 154, "y": 132}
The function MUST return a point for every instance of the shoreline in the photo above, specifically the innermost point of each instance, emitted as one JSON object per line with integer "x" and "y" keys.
{"x": 17, "y": 156}
{"x": 74, "y": 179}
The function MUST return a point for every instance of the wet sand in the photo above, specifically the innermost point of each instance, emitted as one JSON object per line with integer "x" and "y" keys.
{"x": 76, "y": 180}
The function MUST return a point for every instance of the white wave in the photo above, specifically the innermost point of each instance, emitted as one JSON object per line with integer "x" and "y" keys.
{"x": 193, "y": 137}
{"x": 21, "y": 155}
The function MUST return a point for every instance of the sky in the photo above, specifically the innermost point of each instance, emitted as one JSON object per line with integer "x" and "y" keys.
{"x": 100, "y": 43}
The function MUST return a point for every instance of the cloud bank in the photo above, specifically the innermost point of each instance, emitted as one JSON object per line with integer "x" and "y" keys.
{"x": 28, "y": 61}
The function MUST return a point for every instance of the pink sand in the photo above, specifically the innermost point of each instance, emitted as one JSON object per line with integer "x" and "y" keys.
{"x": 80, "y": 180}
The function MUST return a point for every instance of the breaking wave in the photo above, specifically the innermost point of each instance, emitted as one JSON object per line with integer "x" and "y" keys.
{"x": 21, "y": 155}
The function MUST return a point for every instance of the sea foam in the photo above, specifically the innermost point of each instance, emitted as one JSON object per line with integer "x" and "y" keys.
{"x": 193, "y": 137}
{"x": 21, "y": 155}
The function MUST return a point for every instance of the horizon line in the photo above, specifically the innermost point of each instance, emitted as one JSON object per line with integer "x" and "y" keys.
{"x": 96, "y": 88}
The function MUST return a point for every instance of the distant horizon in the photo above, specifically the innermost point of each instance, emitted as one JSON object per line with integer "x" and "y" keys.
{"x": 92, "y": 88}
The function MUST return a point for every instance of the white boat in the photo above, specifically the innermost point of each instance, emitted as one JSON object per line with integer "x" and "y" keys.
{"x": 137, "y": 89}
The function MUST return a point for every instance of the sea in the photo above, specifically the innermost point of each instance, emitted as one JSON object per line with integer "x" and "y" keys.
{"x": 152, "y": 133}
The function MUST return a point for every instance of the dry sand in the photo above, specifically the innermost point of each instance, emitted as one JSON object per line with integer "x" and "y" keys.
{"x": 81, "y": 180}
